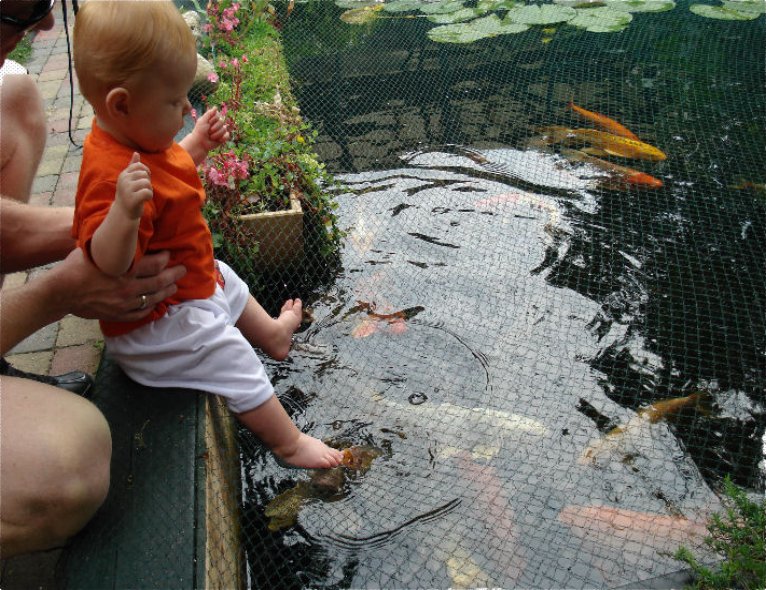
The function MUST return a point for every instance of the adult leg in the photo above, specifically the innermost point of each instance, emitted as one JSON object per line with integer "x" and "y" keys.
{"x": 22, "y": 116}
{"x": 55, "y": 450}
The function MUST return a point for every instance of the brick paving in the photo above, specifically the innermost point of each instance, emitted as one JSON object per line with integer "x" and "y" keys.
{"x": 72, "y": 343}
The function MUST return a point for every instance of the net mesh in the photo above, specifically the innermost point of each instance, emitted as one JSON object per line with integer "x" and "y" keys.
{"x": 552, "y": 352}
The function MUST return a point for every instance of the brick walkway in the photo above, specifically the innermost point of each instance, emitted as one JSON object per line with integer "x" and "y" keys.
{"x": 72, "y": 343}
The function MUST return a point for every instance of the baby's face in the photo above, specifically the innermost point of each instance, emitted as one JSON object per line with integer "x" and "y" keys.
{"x": 159, "y": 102}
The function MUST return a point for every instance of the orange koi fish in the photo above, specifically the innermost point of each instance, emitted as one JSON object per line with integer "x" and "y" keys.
{"x": 603, "y": 122}
{"x": 619, "y": 176}
{"x": 606, "y": 143}
{"x": 395, "y": 322}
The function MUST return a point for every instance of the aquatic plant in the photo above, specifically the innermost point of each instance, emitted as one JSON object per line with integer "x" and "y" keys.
{"x": 738, "y": 535}
{"x": 465, "y": 21}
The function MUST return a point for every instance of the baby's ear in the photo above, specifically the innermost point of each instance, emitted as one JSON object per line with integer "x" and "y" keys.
{"x": 117, "y": 102}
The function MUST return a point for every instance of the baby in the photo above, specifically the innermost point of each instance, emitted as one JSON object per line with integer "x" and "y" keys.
{"x": 139, "y": 192}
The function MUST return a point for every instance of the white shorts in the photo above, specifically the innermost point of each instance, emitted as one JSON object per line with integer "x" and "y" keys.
{"x": 196, "y": 346}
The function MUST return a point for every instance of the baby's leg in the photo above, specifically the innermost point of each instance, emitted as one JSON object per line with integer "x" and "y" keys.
{"x": 272, "y": 335}
{"x": 273, "y": 426}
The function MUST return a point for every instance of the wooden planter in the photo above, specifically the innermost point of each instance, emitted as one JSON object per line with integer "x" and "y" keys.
{"x": 279, "y": 234}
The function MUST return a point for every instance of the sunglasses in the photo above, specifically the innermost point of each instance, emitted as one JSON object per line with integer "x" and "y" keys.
{"x": 35, "y": 11}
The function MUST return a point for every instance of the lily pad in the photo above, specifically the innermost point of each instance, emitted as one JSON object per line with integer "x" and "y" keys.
{"x": 443, "y": 7}
{"x": 481, "y": 28}
{"x": 355, "y": 3}
{"x": 601, "y": 20}
{"x": 541, "y": 14}
{"x": 641, "y": 5}
{"x": 402, "y": 5}
{"x": 459, "y": 16}
{"x": 492, "y": 5}
{"x": 723, "y": 12}
{"x": 746, "y": 6}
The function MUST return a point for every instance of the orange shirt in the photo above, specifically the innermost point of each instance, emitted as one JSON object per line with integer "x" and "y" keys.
{"x": 172, "y": 220}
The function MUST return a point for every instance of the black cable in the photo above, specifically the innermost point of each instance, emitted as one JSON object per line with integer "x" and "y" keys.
{"x": 71, "y": 73}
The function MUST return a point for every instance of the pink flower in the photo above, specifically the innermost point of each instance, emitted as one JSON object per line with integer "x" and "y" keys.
{"x": 212, "y": 77}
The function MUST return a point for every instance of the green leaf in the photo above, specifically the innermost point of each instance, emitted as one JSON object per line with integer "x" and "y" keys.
{"x": 458, "y": 16}
{"x": 746, "y": 7}
{"x": 601, "y": 20}
{"x": 402, "y": 5}
{"x": 481, "y": 28}
{"x": 443, "y": 7}
{"x": 641, "y": 5}
{"x": 355, "y": 3}
{"x": 722, "y": 12}
{"x": 491, "y": 5}
{"x": 541, "y": 14}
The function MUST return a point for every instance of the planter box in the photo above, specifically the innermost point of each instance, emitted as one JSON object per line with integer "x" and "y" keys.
{"x": 279, "y": 234}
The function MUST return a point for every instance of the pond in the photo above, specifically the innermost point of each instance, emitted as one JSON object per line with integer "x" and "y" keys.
{"x": 556, "y": 366}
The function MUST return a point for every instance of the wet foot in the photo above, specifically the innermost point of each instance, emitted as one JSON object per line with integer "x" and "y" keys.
{"x": 310, "y": 453}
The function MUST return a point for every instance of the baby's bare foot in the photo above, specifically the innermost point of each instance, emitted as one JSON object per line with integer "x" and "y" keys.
{"x": 289, "y": 320}
{"x": 311, "y": 453}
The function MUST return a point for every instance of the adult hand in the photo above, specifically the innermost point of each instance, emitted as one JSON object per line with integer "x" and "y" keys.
{"x": 87, "y": 292}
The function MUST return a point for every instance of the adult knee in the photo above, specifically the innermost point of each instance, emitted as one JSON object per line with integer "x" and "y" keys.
{"x": 78, "y": 476}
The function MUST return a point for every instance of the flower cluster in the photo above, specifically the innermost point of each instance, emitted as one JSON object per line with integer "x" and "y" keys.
{"x": 225, "y": 20}
{"x": 226, "y": 169}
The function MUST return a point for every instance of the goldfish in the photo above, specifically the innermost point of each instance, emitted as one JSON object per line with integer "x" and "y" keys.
{"x": 605, "y": 143}
{"x": 636, "y": 432}
{"x": 603, "y": 122}
{"x": 324, "y": 484}
{"x": 619, "y": 176}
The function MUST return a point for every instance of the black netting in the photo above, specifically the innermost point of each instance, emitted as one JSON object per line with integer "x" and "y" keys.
{"x": 556, "y": 351}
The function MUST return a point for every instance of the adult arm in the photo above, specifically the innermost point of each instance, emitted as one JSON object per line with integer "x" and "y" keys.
{"x": 32, "y": 236}
{"x": 76, "y": 286}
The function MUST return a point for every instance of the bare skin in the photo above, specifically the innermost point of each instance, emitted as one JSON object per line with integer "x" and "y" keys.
{"x": 273, "y": 426}
{"x": 55, "y": 472}
{"x": 274, "y": 336}
{"x": 55, "y": 447}
{"x": 269, "y": 421}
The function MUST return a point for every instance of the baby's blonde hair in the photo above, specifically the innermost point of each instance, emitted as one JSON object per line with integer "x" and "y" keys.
{"x": 117, "y": 40}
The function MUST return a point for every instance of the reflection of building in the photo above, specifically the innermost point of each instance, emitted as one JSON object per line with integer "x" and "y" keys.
{"x": 369, "y": 110}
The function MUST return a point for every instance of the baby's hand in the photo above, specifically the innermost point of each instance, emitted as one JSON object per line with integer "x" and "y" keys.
{"x": 211, "y": 129}
{"x": 134, "y": 188}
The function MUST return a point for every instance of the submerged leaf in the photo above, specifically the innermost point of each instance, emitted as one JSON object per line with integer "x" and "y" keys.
{"x": 362, "y": 15}
{"x": 601, "y": 20}
{"x": 541, "y": 14}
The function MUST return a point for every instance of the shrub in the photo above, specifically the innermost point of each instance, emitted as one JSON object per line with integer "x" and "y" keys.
{"x": 738, "y": 535}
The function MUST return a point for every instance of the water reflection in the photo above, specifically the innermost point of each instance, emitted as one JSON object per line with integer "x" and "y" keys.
{"x": 505, "y": 323}
{"x": 491, "y": 399}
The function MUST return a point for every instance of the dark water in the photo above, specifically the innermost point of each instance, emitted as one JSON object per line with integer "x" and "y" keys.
{"x": 548, "y": 309}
